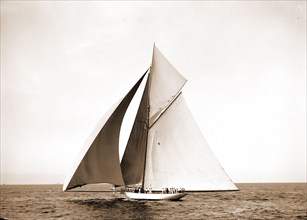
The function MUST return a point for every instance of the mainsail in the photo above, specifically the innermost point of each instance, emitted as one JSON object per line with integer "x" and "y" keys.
{"x": 165, "y": 149}
{"x": 179, "y": 156}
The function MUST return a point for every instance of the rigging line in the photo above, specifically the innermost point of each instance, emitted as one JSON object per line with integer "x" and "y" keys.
{"x": 165, "y": 109}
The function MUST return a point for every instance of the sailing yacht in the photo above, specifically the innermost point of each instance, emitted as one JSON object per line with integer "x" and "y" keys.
{"x": 165, "y": 150}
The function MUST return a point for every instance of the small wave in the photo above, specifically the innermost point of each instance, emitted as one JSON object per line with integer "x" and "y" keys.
{"x": 301, "y": 216}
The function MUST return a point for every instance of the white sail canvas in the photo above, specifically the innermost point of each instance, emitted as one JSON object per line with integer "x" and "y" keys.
{"x": 164, "y": 84}
{"x": 179, "y": 156}
{"x": 166, "y": 149}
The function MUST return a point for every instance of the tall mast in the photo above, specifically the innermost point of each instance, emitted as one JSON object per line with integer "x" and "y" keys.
{"x": 147, "y": 118}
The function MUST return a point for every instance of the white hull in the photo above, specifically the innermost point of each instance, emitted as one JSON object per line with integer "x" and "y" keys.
{"x": 155, "y": 196}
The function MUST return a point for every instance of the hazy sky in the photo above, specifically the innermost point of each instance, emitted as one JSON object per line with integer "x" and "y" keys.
{"x": 64, "y": 63}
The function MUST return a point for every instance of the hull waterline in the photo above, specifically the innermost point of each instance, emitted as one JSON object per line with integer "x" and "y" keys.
{"x": 155, "y": 196}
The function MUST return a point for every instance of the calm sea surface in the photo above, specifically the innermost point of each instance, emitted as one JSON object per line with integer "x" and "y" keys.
{"x": 253, "y": 201}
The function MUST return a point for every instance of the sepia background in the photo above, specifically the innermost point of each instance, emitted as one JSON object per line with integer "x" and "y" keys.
{"x": 64, "y": 63}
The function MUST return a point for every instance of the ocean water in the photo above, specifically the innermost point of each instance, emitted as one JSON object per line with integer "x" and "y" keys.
{"x": 253, "y": 201}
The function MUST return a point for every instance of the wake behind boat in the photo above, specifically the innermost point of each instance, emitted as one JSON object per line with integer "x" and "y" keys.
{"x": 166, "y": 149}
